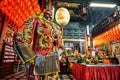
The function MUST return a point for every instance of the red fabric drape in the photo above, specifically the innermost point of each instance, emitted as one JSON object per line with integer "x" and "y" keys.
{"x": 82, "y": 72}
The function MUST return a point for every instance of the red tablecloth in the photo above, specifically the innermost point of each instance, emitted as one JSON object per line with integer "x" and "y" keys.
{"x": 100, "y": 72}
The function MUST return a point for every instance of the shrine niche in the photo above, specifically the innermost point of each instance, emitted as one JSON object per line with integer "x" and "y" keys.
{"x": 115, "y": 45}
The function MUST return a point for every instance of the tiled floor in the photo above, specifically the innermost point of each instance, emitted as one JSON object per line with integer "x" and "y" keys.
{"x": 17, "y": 76}
{"x": 22, "y": 76}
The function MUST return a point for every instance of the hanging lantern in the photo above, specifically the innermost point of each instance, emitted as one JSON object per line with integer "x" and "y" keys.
{"x": 62, "y": 16}
{"x": 19, "y": 10}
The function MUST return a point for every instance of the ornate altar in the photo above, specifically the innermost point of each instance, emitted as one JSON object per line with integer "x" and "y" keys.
{"x": 37, "y": 46}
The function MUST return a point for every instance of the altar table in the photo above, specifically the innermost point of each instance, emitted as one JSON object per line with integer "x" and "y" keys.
{"x": 96, "y": 72}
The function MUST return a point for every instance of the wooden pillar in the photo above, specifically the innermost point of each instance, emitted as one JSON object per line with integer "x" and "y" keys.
{"x": 43, "y": 5}
{"x": 50, "y": 4}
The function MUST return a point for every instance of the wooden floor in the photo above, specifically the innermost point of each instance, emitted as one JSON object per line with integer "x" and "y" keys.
{"x": 22, "y": 76}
